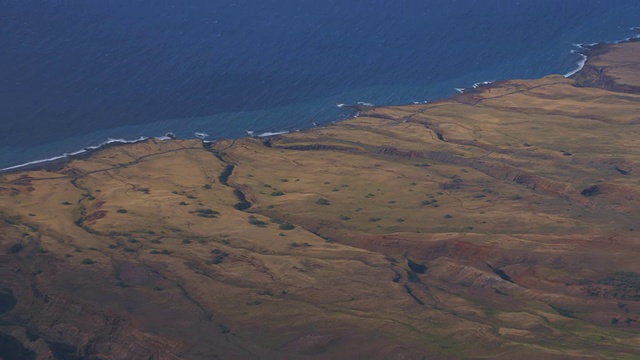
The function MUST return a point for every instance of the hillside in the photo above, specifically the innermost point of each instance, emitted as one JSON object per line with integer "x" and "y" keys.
{"x": 501, "y": 223}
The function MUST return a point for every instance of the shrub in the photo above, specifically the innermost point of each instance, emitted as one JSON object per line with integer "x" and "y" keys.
{"x": 323, "y": 201}
{"x": 286, "y": 226}
{"x": 88, "y": 261}
{"x": 129, "y": 250}
{"x": 344, "y": 217}
{"x": 66, "y": 203}
{"x": 207, "y": 213}
{"x": 217, "y": 260}
{"x": 121, "y": 211}
{"x": 277, "y": 193}
{"x": 156, "y": 241}
{"x": 182, "y": 203}
{"x": 257, "y": 222}
{"x": 374, "y": 219}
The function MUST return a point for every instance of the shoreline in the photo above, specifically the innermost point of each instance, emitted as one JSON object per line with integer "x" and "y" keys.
{"x": 55, "y": 162}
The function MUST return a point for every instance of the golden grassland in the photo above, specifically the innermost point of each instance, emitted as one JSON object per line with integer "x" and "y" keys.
{"x": 501, "y": 223}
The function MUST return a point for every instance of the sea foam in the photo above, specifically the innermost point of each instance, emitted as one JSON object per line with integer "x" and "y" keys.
{"x": 81, "y": 151}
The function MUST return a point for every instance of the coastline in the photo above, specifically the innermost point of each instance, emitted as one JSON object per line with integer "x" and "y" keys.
{"x": 584, "y": 50}
{"x": 454, "y": 212}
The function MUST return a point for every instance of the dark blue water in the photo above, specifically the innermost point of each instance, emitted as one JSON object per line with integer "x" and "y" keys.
{"x": 75, "y": 73}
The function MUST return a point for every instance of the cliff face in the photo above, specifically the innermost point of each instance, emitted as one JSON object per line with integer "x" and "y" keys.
{"x": 612, "y": 67}
{"x": 498, "y": 224}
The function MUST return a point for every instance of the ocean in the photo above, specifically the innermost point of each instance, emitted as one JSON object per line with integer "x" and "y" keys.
{"x": 79, "y": 73}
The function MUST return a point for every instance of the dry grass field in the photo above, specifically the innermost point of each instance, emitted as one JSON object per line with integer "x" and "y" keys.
{"x": 502, "y": 223}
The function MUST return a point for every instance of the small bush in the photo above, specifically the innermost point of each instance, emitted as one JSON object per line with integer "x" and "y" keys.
{"x": 182, "y": 203}
{"x": 66, "y": 203}
{"x": 88, "y": 261}
{"x": 277, "y": 193}
{"x": 207, "y": 213}
{"x": 448, "y": 216}
{"x": 186, "y": 241}
{"x": 156, "y": 241}
{"x": 323, "y": 201}
{"x": 344, "y": 217}
{"x": 257, "y": 222}
{"x": 217, "y": 260}
{"x": 121, "y": 211}
{"x": 374, "y": 219}
{"x": 129, "y": 250}
{"x": 286, "y": 226}
{"x": 165, "y": 252}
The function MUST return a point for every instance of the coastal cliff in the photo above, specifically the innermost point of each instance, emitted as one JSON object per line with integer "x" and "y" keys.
{"x": 501, "y": 223}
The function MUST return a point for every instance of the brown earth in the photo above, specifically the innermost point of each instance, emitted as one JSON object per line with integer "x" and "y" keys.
{"x": 501, "y": 224}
